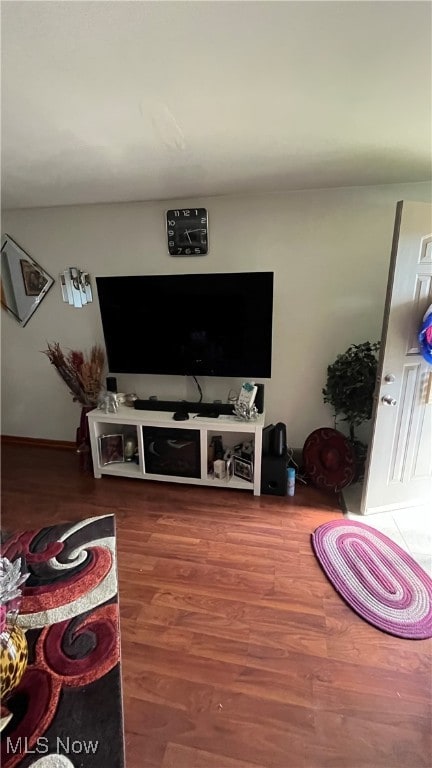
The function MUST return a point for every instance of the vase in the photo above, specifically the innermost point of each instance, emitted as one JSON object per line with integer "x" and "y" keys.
{"x": 83, "y": 440}
{"x": 13, "y": 657}
{"x": 13, "y": 641}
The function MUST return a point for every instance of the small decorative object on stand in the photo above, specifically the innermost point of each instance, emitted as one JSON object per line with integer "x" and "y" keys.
{"x": 108, "y": 402}
{"x": 247, "y": 394}
{"x": 244, "y": 408}
{"x": 130, "y": 398}
{"x": 229, "y": 468}
{"x": 13, "y": 642}
{"x": 130, "y": 447}
{"x": 219, "y": 468}
{"x": 245, "y": 412}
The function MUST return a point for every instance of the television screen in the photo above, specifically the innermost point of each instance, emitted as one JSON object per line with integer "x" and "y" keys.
{"x": 208, "y": 324}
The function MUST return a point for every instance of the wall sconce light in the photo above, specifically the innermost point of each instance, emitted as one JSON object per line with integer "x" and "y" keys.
{"x": 75, "y": 287}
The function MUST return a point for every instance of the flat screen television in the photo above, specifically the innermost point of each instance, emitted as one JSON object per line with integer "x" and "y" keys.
{"x": 216, "y": 324}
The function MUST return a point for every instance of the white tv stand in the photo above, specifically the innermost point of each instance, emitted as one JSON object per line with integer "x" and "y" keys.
{"x": 129, "y": 420}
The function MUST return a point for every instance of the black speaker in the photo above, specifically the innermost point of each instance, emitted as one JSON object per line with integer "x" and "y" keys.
{"x": 205, "y": 409}
{"x": 274, "y": 475}
{"x": 111, "y": 384}
{"x": 259, "y": 398}
{"x": 267, "y": 439}
{"x": 278, "y": 440}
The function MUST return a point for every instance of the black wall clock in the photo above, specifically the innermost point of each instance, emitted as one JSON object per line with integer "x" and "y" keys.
{"x": 187, "y": 231}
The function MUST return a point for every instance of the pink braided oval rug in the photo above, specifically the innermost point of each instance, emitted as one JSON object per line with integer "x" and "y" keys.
{"x": 377, "y": 579}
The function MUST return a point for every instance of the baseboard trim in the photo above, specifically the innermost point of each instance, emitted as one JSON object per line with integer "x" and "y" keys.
{"x": 63, "y": 445}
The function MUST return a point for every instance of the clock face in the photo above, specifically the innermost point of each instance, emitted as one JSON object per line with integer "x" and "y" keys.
{"x": 187, "y": 231}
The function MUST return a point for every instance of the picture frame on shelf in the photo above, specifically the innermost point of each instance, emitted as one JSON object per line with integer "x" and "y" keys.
{"x": 111, "y": 449}
{"x": 242, "y": 468}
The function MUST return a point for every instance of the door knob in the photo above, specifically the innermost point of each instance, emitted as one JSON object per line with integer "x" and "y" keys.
{"x": 389, "y": 378}
{"x": 387, "y": 400}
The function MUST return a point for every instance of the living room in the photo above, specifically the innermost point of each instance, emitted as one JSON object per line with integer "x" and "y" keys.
{"x": 299, "y": 141}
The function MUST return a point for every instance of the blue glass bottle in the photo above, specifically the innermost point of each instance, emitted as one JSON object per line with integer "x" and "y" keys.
{"x": 290, "y": 481}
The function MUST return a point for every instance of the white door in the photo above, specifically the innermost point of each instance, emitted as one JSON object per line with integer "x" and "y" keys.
{"x": 399, "y": 465}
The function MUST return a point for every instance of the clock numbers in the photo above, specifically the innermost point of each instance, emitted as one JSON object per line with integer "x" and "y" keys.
{"x": 187, "y": 231}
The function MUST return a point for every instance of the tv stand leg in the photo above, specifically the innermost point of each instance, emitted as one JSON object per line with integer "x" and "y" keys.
{"x": 257, "y": 464}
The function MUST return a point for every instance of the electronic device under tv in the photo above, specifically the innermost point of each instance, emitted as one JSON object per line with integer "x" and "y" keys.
{"x": 215, "y": 324}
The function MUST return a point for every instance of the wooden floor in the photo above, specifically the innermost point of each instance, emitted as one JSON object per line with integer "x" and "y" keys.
{"x": 237, "y": 652}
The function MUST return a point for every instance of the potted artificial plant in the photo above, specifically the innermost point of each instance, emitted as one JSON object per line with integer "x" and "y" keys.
{"x": 349, "y": 390}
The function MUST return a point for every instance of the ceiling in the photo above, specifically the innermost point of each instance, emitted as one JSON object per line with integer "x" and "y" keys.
{"x": 120, "y": 101}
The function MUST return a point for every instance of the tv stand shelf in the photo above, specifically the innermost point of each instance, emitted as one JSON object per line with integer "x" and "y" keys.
{"x": 128, "y": 421}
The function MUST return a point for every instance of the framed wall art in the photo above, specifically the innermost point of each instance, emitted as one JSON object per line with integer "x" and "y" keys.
{"x": 34, "y": 280}
{"x": 24, "y": 283}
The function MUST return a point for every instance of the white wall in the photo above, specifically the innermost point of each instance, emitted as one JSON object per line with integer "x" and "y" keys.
{"x": 329, "y": 250}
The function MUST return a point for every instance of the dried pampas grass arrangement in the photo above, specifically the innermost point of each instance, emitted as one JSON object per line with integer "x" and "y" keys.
{"x": 82, "y": 374}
